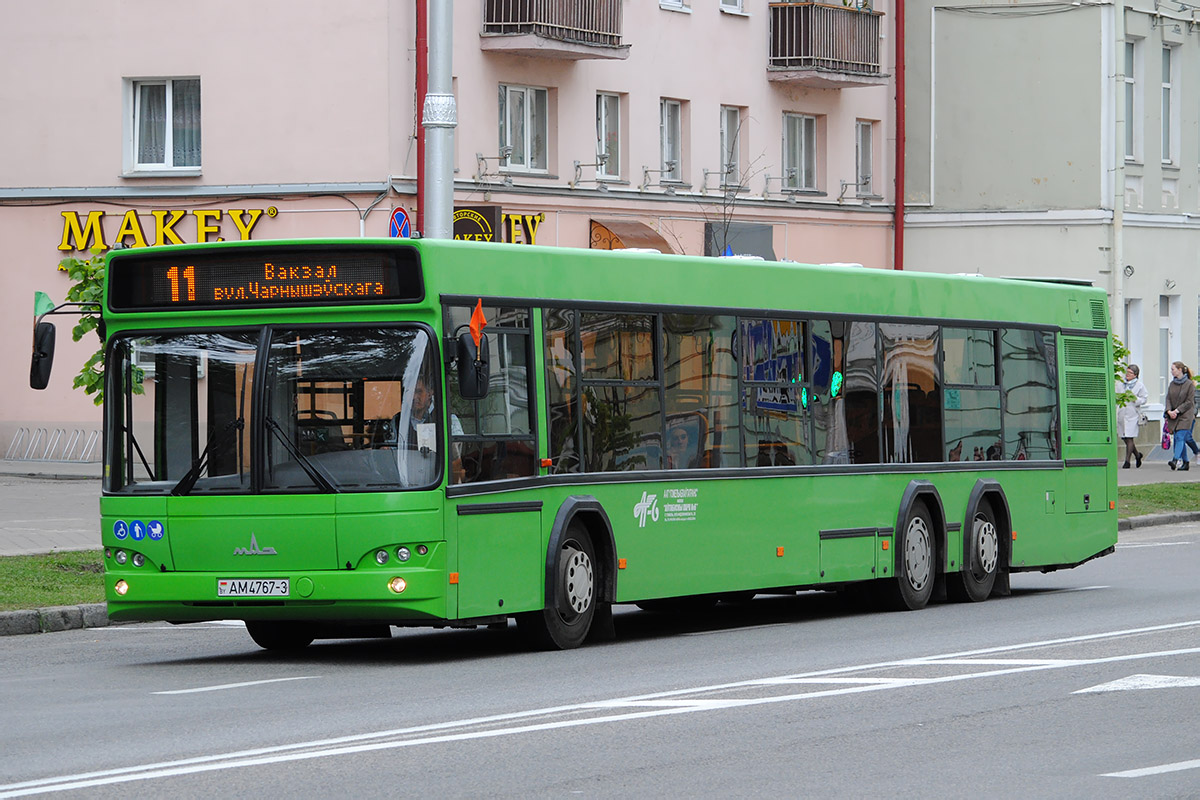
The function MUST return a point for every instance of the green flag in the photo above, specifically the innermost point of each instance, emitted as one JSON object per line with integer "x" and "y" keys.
{"x": 41, "y": 303}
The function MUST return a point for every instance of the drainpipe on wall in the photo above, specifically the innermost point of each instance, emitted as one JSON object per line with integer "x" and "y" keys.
{"x": 422, "y": 88}
{"x": 1116, "y": 263}
{"x": 898, "y": 228}
{"x": 439, "y": 118}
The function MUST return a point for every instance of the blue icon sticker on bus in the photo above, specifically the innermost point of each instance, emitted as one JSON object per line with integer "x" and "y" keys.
{"x": 156, "y": 531}
{"x": 120, "y": 529}
{"x": 137, "y": 530}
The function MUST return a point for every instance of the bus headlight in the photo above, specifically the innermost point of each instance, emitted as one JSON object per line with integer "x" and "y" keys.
{"x": 381, "y": 557}
{"x": 121, "y": 557}
{"x": 397, "y": 585}
{"x": 403, "y": 554}
{"x": 138, "y": 559}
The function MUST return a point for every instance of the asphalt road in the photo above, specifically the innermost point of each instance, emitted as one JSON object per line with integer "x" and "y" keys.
{"x": 1084, "y": 683}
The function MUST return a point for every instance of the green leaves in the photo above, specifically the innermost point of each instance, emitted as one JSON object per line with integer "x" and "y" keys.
{"x": 88, "y": 287}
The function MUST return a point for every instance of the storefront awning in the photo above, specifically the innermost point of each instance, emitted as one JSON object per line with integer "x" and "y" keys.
{"x": 618, "y": 234}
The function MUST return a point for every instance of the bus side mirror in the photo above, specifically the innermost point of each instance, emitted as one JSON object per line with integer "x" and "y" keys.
{"x": 473, "y": 370}
{"x": 43, "y": 355}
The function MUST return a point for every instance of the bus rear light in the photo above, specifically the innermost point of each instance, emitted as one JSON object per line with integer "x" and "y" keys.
{"x": 422, "y": 549}
{"x": 121, "y": 557}
{"x": 381, "y": 557}
{"x": 121, "y": 588}
{"x": 397, "y": 585}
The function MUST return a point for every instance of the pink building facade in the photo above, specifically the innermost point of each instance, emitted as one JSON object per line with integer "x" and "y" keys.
{"x": 703, "y": 127}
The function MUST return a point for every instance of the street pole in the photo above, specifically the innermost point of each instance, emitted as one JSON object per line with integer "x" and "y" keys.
{"x": 439, "y": 118}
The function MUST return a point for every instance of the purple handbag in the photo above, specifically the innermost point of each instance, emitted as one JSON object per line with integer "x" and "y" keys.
{"x": 1166, "y": 442}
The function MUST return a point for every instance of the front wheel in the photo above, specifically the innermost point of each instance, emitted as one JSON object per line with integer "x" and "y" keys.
{"x": 281, "y": 636}
{"x": 916, "y": 565}
{"x": 981, "y": 562}
{"x": 565, "y": 624}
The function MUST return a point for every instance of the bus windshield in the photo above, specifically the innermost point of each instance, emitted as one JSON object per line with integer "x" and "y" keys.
{"x": 273, "y": 410}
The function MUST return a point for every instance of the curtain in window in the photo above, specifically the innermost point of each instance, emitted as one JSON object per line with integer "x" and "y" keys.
{"x": 185, "y": 122}
{"x": 152, "y": 123}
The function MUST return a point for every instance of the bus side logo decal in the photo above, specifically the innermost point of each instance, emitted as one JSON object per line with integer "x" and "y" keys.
{"x": 254, "y": 549}
{"x": 648, "y": 507}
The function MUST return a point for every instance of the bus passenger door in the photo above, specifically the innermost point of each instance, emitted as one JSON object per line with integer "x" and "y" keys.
{"x": 501, "y": 566}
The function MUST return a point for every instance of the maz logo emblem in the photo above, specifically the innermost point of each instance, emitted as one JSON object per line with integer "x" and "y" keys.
{"x": 254, "y": 550}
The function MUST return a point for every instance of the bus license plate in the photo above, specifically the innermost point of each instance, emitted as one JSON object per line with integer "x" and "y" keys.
{"x": 253, "y": 587}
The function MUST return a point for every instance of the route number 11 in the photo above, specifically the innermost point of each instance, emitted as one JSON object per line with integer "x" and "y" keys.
{"x": 189, "y": 277}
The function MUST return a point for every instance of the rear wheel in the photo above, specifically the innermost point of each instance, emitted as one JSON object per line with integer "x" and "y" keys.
{"x": 281, "y": 636}
{"x": 566, "y": 623}
{"x": 916, "y": 562}
{"x": 981, "y": 562}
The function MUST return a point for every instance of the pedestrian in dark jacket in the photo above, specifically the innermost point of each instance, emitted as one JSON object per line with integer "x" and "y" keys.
{"x": 1180, "y": 413}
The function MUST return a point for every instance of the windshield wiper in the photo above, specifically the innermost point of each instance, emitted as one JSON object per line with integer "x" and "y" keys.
{"x": 215, "y": 447}
{"x": 310, "y": 469}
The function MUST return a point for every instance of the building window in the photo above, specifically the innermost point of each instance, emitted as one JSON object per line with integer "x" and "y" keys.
{"x": 1169, "y": 116}
{"x": 863, "y": 158}
{"x": 524, "y": 127}
{"x": 671, "y": 138}
{"x": 1132, "y": 128}
{"x": 731, "y": 128}
{"x": 608, "y": 135}
{"x": 166, "y": 124}
{"x": 799, "y": 152}
{"x": 675, "y": 5}
{"x": 731, "y": 5}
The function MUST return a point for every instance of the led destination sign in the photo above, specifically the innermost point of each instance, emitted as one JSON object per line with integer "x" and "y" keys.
{"x": 264, "y": 277}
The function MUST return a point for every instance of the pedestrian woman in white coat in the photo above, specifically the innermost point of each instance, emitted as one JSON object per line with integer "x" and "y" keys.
{"x": 1129, "y": 417}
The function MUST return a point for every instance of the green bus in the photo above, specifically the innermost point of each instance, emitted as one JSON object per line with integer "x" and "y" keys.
{"x": 329, "y": 438}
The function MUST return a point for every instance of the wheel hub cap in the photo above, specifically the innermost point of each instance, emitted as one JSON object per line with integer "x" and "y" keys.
{"x": 917, "y": 550}
{"x": 577, "y": 581}
{"x": 987, "y": 545}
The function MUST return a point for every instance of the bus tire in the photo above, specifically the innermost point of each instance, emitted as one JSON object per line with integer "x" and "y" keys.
{"x": 565, "y": 624}
{"x": 982, "y": 563}
{"x": 916, "y": 555}
{"x": 280, "y": 636}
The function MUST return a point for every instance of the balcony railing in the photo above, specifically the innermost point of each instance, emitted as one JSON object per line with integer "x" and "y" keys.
{"x": 824, "y": 45}
{"x": 574, "y": 29}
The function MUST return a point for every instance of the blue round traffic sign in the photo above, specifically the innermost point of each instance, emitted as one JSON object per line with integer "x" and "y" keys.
{"x": 400, "y": 226}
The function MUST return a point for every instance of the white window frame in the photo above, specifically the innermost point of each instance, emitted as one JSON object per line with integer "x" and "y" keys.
{"x": 675, "y": 5}
{"x": 732, "y": 6}
{"x": 608, "y": 123}
{"x": 801, "y": 158}
{"x": 670, "y": 116}
{"x": 1170, "y": 106}
{"x": 530, "y": 96}
{"x": 731, "y": 145}
{"x": 1134, "y": 117}
{"x": 131, "y": 128}
{"x": 864, "y": 158}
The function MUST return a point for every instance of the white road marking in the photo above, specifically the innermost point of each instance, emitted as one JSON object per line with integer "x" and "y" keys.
{"x": 1150, "y": 544}
{"x": 650, "y": 705}
{"x": 1135, "y": 682}
{"x": 237, "y": 685}
{"x": 1178, "y": 766}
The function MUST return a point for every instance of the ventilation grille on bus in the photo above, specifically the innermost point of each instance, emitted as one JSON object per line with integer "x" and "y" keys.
{"x": 1086, "y": 381}
{"x": 1099, "y": 317}
{"x": 1085, "y": 353}
{"x": 1087, "y": 386}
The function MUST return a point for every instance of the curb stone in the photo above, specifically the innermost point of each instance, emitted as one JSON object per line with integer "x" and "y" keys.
{"x": 53, "y": 619}
{"x": 95, "y": 615}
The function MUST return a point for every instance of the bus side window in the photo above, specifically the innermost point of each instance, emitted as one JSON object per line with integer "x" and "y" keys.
{"x": 496, "y": 437}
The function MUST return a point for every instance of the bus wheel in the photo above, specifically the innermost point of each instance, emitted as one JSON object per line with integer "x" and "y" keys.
{"x": 913, "y": 586}
{"x": 565, "y": 624}
{"x": 280, "y": 635}
{"x": 974, "y": 583}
